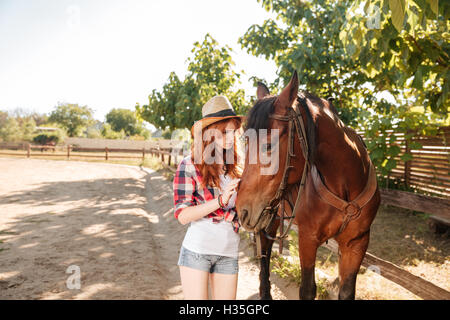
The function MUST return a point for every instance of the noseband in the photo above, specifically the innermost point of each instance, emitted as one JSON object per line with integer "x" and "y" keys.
{"x": 295, "y": 125}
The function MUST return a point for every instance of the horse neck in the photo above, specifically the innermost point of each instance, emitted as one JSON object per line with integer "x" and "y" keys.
{"x": 339, "y": 158}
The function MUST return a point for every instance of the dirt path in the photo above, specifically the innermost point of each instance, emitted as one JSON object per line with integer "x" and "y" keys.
{"x": 115, "y": 223}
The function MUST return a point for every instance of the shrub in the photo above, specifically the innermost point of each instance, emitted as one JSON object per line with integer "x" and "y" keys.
{"x": 45, "y": 138}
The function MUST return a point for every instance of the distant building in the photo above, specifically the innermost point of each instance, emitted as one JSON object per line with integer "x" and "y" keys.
{"x": 46, "y": 129}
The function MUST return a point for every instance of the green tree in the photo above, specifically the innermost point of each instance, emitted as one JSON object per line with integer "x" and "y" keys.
{"x": 10, "y": 130}
{"x": 72, "y": 117}
{"x": 403, "y": 47}
{"x": 108, "y": 133}
{"x": 304, "y": 36}
{"x": 209, "y": 72}
{"x": 16, "y": 127}
{"x": 39, "y": 118}
{"x": 361, "y": 58}
{"x": 126, "y": 120}
{"x": 27, "y": 128}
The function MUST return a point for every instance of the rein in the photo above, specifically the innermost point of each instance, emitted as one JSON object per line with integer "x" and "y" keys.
{"x": 295, "y": 125}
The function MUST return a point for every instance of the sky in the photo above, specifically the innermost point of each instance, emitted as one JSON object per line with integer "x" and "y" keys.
{"x": 112, "y": 53}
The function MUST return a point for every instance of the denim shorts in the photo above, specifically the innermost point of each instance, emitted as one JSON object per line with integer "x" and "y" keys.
{"x": 208, "y": 262}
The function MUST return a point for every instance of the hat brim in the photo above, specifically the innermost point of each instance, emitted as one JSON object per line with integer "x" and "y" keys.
{"x": 204, "y": 122}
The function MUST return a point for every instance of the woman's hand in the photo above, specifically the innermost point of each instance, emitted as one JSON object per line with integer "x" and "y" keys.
{"x": 228, "y": 191}
{"x": 198, "y": 211}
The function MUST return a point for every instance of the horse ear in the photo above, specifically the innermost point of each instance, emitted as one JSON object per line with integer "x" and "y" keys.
{"x": 262, "y": 91}
{"x": 289, "y": 94}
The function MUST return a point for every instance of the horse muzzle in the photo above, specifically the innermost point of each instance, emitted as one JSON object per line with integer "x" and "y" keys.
{"x": 255, "y": 224}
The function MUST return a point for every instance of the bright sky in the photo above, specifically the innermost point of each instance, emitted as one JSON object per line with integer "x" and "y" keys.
{"x": 112, "y": 53}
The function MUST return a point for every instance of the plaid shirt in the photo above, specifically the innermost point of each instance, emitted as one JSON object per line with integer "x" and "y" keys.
{"x": 187, "y": 192}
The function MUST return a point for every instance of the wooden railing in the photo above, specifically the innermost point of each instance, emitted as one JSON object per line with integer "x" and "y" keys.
{"x": 172, "y": 155}
{"x": 429, "y": 169}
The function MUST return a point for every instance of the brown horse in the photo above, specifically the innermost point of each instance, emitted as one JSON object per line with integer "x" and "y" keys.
{"x": 338, "y": 171}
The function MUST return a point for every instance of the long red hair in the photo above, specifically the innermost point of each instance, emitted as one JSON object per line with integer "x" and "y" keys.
{"x": 210, "y": 172}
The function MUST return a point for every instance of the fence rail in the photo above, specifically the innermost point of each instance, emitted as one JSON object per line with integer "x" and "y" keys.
{"x": 415, "y": 284}
{"x": 171, "y": 154}
{"x": 429, "y": 169}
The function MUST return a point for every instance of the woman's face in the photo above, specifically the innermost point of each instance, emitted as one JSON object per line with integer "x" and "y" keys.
{"x": 226, "y": 139}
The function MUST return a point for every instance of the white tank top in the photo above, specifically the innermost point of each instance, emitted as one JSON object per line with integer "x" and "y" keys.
{"x": 207, "y": 237}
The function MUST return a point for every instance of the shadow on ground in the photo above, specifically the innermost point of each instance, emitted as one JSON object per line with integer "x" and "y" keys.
{"x": 114, "y": 230}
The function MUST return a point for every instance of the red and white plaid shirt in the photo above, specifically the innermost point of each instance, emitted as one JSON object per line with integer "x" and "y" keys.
{"x": 187, "y": 192}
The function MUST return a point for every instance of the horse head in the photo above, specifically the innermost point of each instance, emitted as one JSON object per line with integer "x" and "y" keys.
{"x": 269, "y": 141}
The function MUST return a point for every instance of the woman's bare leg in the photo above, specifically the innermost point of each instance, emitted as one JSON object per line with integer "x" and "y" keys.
{"x": 194, "y": 283}
{"x": 223, "y": 286}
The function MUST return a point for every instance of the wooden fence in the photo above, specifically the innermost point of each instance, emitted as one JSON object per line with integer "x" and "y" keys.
{"x": 429, "y": 170}
{"x": 164, "y": 150}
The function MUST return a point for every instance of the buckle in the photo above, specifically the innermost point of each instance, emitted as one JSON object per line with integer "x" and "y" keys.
{"x": 352, "y": 209}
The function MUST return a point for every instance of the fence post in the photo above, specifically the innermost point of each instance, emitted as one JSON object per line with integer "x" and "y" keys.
{"x": 28, "y": 150}
{"x": 68, "y": 151}
{"x": 170, "y": 155}
{"x": 106, "y": 153}
{"x": 143, "y": 154}
{"x": 407, "y": 165}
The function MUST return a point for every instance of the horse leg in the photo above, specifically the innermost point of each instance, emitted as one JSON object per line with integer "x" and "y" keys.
{"x": 307, "y": 252}
{"x": 266, "y": 251}
{"x": 351, "y": 256}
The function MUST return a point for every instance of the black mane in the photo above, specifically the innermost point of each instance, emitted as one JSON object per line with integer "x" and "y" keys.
{"x": 258, "y": 118}
{"x": 258, "y": 115}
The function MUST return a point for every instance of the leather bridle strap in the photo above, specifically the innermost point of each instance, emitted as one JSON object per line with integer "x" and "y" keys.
{"x": 295, "y": 122}
{"x": 352, "y": 209}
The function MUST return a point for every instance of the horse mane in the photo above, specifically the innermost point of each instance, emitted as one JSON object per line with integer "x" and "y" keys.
{"x": 258, "y": 118}
{"x": 258, "y": 115}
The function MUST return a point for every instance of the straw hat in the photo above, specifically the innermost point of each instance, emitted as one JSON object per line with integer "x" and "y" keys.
{"x": 216, "y": 109}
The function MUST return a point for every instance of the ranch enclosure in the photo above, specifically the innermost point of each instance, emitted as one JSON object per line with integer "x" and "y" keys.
{"x": 423, "y": 186}
{"x": 114, "y": 222}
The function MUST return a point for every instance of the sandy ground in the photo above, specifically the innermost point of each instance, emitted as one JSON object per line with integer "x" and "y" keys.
{"x": 113, "y": 223}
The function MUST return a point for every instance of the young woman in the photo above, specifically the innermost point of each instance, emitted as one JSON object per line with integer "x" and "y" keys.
{"x": 204, "y": 195}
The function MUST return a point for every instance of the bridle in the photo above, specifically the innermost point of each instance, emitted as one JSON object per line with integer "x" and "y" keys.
{"x": 295, "y": 126}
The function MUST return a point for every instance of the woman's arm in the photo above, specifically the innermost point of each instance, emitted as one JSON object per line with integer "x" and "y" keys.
{"x": 196, "y": 212}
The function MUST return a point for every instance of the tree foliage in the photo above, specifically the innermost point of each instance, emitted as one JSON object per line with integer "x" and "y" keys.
{"x": 209, "y": 73}
{"x": 403, "y": 46}
{"x": 305, "y": 37}
{"x": 44, "y": 138}
{"x": 16, "y": 126}
{"x": 72, "y": 117}
{"x": 108, "y": 133}
{"x": 362, "y": 56}
{"x": 126, "y": 120}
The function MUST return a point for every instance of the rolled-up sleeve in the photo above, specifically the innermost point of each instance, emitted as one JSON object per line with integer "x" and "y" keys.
{"x": 183, "y": 188}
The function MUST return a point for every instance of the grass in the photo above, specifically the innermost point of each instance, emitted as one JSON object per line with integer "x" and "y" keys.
{"x": 289, "y": 267}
